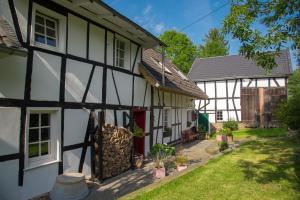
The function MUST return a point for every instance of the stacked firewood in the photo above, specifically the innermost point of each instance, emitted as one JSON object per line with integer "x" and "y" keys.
{"x": 117, "y": 150}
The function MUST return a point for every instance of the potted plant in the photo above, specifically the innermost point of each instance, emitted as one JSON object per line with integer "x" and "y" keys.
{"x": 229, "y": 135}
{"x": 137, "y": 131}
{"x": 181, "y": 162}
{"x": 223, "y": 146}
{"x": 221, "y": 136}
{"x": 159, "y": 170}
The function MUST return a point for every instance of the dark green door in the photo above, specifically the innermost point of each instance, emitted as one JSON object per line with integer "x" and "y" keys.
{"x": 203, "y": 121}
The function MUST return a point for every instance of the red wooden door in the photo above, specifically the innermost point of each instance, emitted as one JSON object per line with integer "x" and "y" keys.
{"x": 139, "y": 117}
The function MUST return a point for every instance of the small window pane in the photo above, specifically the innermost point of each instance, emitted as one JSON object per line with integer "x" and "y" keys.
{"x": 39, "y": 29}
{"x": 121, "y": 54}
{"x": 51, "y": 42}
{"x": 39, "y": 20}
{"x": 34, "y": 120}
{"x": 40, "y": 38}
{"x": 50, "y": 32}
{"x": 44, "y": 148}
{"x": 33, "y": 150}
{"x": 50, "y": 24}
{"x": 45, "y": 119}
{"x": 33, "y": 135}
{"x": 121, "y": 63}
{"x": 45, "y": 134}
{"x": 122, "y": 45}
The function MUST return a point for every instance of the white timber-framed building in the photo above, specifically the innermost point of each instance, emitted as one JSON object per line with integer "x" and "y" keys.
{"x": 238, "y": 89}
{"x": 60, "y": 60}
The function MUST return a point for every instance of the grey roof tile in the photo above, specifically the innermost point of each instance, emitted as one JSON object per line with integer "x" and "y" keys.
{"x": 236, "y": 66}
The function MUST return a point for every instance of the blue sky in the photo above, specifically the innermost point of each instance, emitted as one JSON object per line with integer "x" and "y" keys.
{"x": 157, "y": 16}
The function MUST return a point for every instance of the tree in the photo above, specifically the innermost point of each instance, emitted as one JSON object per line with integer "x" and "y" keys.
{"x": 280, "y": 20}
{"x": 214, "y": 45}
{"x": 288, "y": 112}
{"x": 180, "y": 50}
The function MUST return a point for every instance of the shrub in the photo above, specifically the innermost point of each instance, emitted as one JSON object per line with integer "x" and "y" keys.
{"x": 181, "y": 160}
{"x": 231, "y": 124}
{"x": 225, "y": 131}
{"x": 223, "y": 146}
{"x": 162, "y": 150}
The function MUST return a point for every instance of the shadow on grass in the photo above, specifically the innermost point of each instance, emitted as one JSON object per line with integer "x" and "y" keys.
{"x": 277, "y": 159}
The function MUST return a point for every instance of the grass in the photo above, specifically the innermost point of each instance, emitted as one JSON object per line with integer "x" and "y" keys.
{"x": 264, "y": 168}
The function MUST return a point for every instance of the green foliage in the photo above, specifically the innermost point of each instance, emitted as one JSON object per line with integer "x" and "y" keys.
{"x": 180, "y": 50}
{"x": 162, "y": 149}
{"x": 214, "y": 45}
{"x": 225, "y": 131}
{"x": 288, "y": 112}
{"x": 280, "y": 22}
{"x": 231, "y": 124}
{"x": 261, "y": 132}
{"x": 223, "y": 146}
{"x": 137, "y": 131}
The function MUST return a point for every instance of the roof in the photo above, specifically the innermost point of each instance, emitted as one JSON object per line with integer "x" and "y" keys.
{"x": 8, "y": 37}
{"x": 175, "y": 80}
{"x": 237, "y": 66}
{"x": 107, "y": 16}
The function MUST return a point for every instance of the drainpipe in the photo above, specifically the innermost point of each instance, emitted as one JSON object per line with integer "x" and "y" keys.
{"x": 163, "y": 66}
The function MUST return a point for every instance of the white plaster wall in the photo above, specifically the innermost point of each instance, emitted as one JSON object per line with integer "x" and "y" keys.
{"x": 262, "y": 83}
{"x": 281, "y": 82}
{"x": 237, "y": 92}
{"x": 139, "y": 91}
{"x": 32, "y": 187}
{"x": 94, "y": 94}
{"x": 237, "y": 103}
{"x": 148, "y": 96}
{"x": 120, "y": 117}
{"x": 245, "y": 82}
{"x": 77, "y": 36}
{"x": 156, "y": 119}
{"x": 9, "y": 130}
{"x": 211, "y": 118}
{"x": 22, "y": 13}
{"x": 97, "y": 43}
{"x": 109, "y": 117}
{"x": 45, "y": 79}
{"x": 12, "y": 76}
{"x": 230, "y": 104}
{"x": 75, "y": 126}
{"x": 157, "y": 136}
{"x": 210, "y": 89}
{"x": 110, "y": 48}
{"x": 147, "y": 145}
{"x": 232, "y": 115}
{"x": 211, "y": 105}
{"x": 221, "y": 104}
{"x": 201, "y": 85}
{"x": 77, "y": 75}
{"x": 9, "y": 189}
{"x": 156, "y": 99}
{"x": 124, "y": 87}
{"x": 230, "y": 84}
{"x": 167, "y": 99}
{"x": 221, "y": 89}
{"x": 72, "y": 159}
{"x": 138, "y": 61}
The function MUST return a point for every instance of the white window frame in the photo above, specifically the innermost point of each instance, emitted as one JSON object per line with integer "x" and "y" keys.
{"x": 219, "y": 116}
{"x": 55, "y": 29}
{"x": 117, "y": 52}
{"x": 61, "y": 28}
{"x": 167, "y": 122}
{"x": 54, "y": 154}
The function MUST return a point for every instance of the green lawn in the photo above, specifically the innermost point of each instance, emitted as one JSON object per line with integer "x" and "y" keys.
{"x": 265, "y": 168}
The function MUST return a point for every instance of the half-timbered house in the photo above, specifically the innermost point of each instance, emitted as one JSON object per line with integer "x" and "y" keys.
{"x": 240, "y": 90}
{"x": 61, "y": 63}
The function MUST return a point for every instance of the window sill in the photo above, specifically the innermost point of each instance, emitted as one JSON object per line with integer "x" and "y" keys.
{"x": 41, "y": 165}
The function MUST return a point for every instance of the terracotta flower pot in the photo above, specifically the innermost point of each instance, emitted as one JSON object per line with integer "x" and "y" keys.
{"x": 181, "y": 167}
{"x": 159, "y": 172}
{"x": 230, "y": 138}
{"x": 221, "y": 138}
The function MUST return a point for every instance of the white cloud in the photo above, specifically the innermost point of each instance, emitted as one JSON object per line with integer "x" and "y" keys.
{"x": 159, "y": 27}
{"x": 147, "y": 9}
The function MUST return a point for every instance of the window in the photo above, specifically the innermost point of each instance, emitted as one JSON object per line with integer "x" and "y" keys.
{"x": 42, "y": 137}
{"x": 46, "y": 29}
{"x": 166, "y": 117}
{"x": 120, "y": 53}
{"x": 219, "y": 115}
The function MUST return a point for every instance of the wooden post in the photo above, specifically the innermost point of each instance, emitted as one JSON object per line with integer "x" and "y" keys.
{"x": 92, "y": 139}
{"x": 101, "y": 122}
